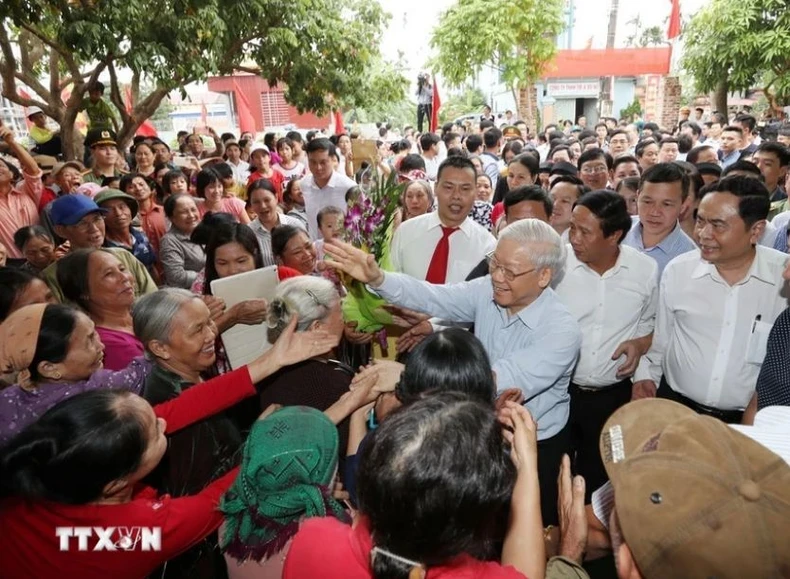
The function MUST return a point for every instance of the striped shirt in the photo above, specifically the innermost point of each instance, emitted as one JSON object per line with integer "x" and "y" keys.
{"x": 265, "y": 236}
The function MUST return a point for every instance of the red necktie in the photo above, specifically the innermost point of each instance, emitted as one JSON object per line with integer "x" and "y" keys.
{"x": 437, "y": 270}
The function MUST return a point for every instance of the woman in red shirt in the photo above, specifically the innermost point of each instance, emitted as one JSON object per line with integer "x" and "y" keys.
{"x": 72, "y": 503}
{"x": 434, "y": 485}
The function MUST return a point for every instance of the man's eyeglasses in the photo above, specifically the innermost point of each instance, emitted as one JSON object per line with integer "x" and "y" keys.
{"x": 86, "y": 224}
{"x": 510, "y": 275}
{"x": 595, "y": 170}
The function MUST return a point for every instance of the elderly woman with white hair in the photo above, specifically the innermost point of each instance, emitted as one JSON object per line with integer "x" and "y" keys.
{"x": 178, "y": 334}
{"x": 319, "y": 381}
{"x": 531, "y": 338}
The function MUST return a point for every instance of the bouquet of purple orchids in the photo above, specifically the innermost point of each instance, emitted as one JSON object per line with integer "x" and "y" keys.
{"x": 368, "y": 226}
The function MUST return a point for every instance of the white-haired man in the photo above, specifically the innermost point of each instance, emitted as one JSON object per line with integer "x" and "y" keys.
{"x": 531, "y": 338}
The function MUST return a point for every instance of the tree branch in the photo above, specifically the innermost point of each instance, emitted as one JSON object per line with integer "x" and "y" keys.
{"x": 54, "y": 73}
{"x": 115, "y": 95}
{"x": 65, "y": 54}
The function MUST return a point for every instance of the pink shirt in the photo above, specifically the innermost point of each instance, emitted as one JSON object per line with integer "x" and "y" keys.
{"x": 120, "y": 348}
{"x": 232, "y": 205}
{"x": 19, "y": 209}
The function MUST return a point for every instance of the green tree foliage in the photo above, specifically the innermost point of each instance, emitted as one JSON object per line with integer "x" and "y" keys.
{"x": 470, "y": 100}
{"x": 323, "y": 51}
{"x": 518, "y": 36}
{"x": 734, "y": 45}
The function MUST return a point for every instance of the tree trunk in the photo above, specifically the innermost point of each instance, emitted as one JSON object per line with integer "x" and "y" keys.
{"x": 720, "y": 97}
{"x": 605, "y": 97}
{"x": 141, "y": 112}
{"x": 527, "y": 106}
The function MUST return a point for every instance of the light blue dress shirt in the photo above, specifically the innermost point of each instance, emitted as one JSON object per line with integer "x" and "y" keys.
{"x": 674, "y": 244}
{"x": 535, "y": 350}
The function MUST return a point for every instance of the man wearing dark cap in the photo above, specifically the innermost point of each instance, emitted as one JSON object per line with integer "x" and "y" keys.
{"x": 104, "y": 151}
{"x": 80, "y": 221}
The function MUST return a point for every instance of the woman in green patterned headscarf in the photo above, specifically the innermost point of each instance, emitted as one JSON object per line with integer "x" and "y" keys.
{"x": 286, "y": 476}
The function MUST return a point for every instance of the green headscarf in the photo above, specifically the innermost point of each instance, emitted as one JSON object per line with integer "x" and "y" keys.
{"x": 290, "y": 458}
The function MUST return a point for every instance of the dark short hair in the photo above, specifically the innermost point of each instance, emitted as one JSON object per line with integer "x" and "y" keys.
{"x": 223, "y": 170}
{"x": 13, "y": 281}
{"x": 528, "y": 193}
{"x": 320, "y": 144}
{"x": 667, "y": 173}
{"x": 453, "y": 360}
{"x": 744, "y": 167}
{"x": 651, "y": 126}
{"x": 709, "y": 169}
{"x": 411, "y": 162}
{"x": 455, "y": 163}
{"x": 96, "y": 86}
{"x": 733, "y": 129}
{"x": 668, "y": 141}
{"x": 693, "y": 155}
{"x": 581, "y": 188}
{"x": 205, "y": 229}
{"x": 610, "y": 209}
{"x": 260, "y": 184}
{"x": 205, "y": 178}
{"x": 628, "y": 183}
{"x": 754, "y": 199}
{"x": 617, "y": 132}
{"x": 428, "y": 140}
{"x": 473, "y": 143}
{"x": 485, "y": 124}
{"x": 281, "y": 235}
{"x": 25, "y": 234}
{"x": 529, "y": 162}
{"x": 223, "y": 234}
{"x": 328, "y": 210}
{"x": 625, "y": 159}
{"x": 72, "y": 275}
{"x": 449, "y": 137}
{"x": 283, "y": 142}
{"x": 54, "y": 337}
{"x": 74, "y": 450}
{"x": 695, "y": 128}
{"x": 639, "y": 150}
{"x": 592, "y": 155}
{"x": 492, "y": 137}
{"x": 748, "y": 121}
{"x": 436, "y": 460}
{"x": 295, "y": 136}
{"x": 778, "y": 149}
{"x": 696, "y": 182}
{"x": 170, "y": 203}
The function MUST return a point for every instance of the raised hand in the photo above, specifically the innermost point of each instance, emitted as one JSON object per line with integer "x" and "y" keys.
{"x": 573, "y": 517}
{"x": 522, "y": 435}
{"x": 293, "y": 347}
{"x": 358, "y": 264}
{"x": 385, "y": 373}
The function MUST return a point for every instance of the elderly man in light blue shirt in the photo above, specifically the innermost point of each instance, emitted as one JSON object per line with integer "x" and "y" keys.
{"x": 531, "y": 338}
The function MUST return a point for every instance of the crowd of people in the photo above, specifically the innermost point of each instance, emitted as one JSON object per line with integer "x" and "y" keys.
{"x": 592, "y": 374}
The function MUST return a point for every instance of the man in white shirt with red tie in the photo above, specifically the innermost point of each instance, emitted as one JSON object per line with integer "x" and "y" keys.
{"x": 443, "y": 246}
{"x": 717, "y": 306}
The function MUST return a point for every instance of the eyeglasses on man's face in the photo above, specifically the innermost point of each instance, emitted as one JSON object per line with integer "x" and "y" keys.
{"x": 509, "y": 274}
